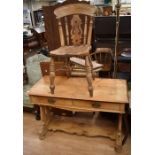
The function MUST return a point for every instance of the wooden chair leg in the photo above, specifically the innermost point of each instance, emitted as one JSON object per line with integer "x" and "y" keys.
{"x": 68, "y": 67}
{"x": 91, "y": 65}
{"x": 52, "y": 75}
{"x": 89, "y": 76}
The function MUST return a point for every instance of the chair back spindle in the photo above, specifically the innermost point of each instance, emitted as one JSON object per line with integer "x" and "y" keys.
{"x": 61, "y": 33}
{"x": 67, "y": 31}
{"x": 85, "y": 30}
{"x": 90, "y": 31}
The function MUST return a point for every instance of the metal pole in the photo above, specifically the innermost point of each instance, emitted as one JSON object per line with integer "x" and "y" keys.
{"x": 116, "y": 38}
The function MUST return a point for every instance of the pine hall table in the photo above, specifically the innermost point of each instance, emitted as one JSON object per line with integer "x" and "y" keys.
{"x": 110, "y": 95}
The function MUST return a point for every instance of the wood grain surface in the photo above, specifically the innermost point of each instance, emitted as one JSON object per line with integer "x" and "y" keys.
{"x": 106, "y": 90}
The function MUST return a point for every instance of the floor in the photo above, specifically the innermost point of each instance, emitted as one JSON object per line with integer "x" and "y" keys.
{"x": 60, "y": 143}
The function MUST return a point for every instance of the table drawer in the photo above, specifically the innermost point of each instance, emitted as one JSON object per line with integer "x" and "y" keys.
{"x": 79, "y": 105}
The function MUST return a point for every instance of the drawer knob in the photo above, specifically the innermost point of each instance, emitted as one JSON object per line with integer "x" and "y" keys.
{"x": 96, "y": 104}
{"x": 51, "y": 101}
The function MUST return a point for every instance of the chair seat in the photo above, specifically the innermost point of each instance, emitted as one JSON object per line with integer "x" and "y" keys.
{"x": 81, "y": 62}
{"x": 81, "y": 50}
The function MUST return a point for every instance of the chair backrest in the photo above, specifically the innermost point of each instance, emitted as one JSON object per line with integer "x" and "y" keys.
{"x": 75, "y": 23}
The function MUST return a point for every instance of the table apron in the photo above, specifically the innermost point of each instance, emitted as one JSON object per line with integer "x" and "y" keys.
{"x": 78, "y": 105}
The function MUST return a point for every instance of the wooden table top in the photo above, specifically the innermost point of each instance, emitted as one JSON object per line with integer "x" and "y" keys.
{"x": 107, "y": 90}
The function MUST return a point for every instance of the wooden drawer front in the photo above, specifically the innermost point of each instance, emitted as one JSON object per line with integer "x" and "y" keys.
{"x": 100, "y": 106}
{"x": 50, "y": 101}
{"x": 79, "y": 105}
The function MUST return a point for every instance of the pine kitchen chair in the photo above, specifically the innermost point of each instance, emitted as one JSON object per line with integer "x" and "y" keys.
{"x": 75, "y": 22}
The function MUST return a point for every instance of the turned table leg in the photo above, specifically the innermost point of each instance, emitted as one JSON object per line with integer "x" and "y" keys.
{"x": 89, "y": 76}
{"x": 45, "y": 117}
{"x": 118, "y": 146}
{"x": 52, "y": 75}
